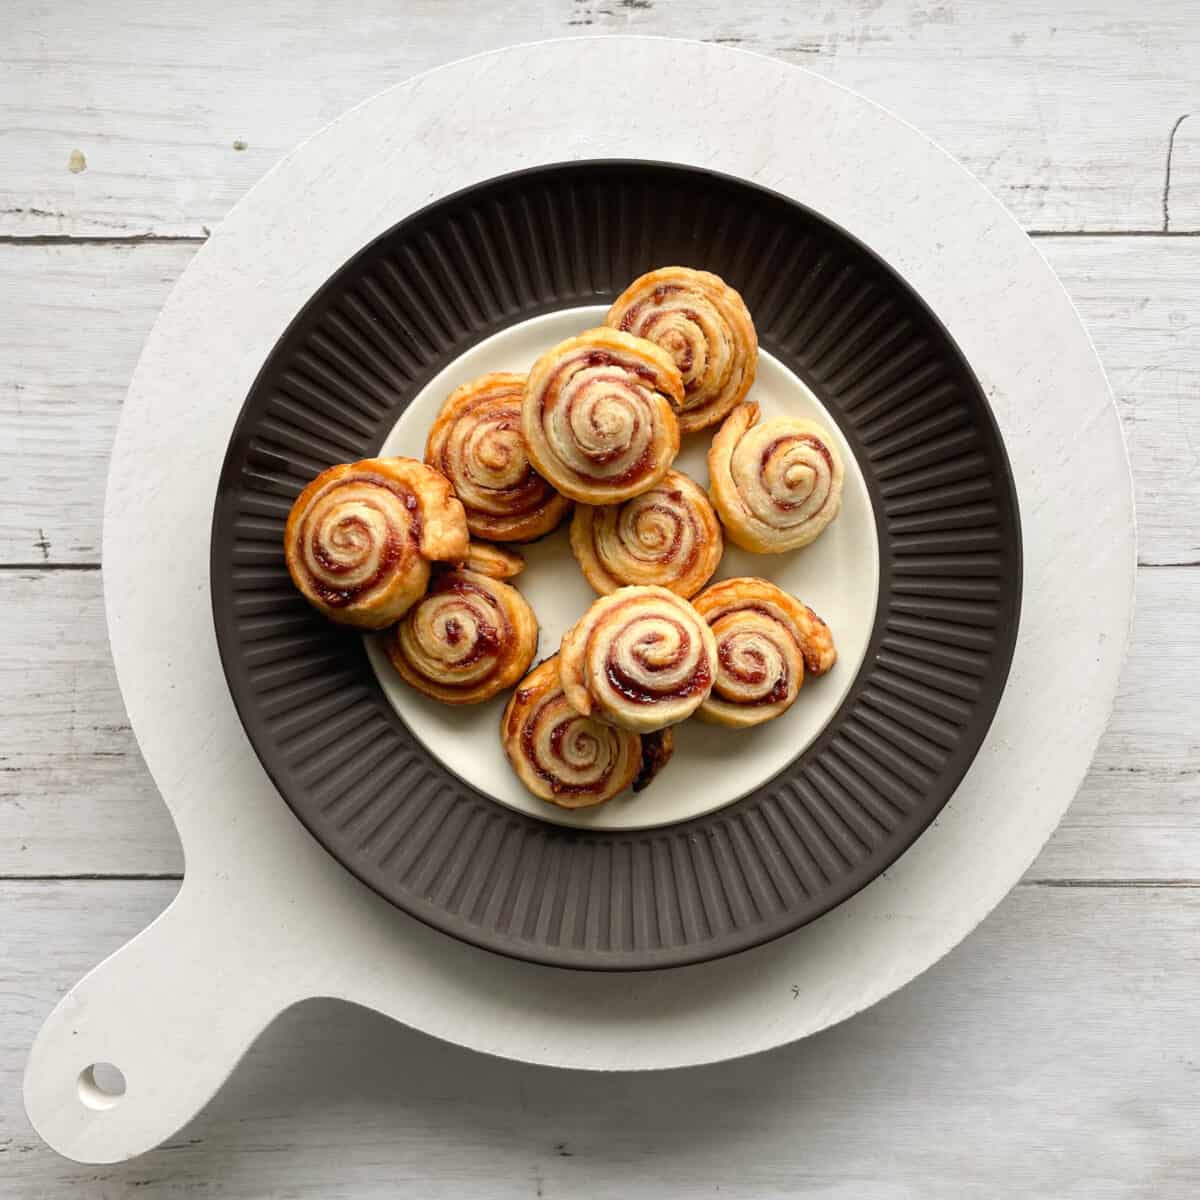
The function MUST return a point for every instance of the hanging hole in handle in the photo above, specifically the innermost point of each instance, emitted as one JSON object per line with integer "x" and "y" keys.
{"x": 101, "y": 1085}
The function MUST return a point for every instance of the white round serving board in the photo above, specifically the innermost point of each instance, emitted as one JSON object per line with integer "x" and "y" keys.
{"x": 265, "y": 918}
{"x": 837, "y": 576}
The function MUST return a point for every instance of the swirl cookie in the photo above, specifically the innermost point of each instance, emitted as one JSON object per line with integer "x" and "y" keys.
{"x": 477, "y": 443}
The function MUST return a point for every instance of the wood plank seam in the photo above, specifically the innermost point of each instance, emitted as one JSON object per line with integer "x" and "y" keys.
{"x": 94, "y": 877}
{"x": 1110, "y": 883}
{"x": 50, "y": 566}
{"x": 1111, "y": 233}
{"x": 72, "y": 239}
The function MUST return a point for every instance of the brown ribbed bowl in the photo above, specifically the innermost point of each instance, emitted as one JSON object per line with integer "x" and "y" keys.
{"x": 841, "y": 812}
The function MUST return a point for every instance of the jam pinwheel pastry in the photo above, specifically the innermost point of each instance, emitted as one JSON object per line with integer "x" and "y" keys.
{"x": 766, "y": 641}
{"x": 568, "y": 759}
{"x": 360, "y": 538}
{"x": 598, "y": 416}
{"x": 706, "y": 328}
{"x": 668, "y": 536}
{"x": 471, "y": 635}
{"x": 776, "y": 485}
{"x": 477, "y": 443}
{"x": 641, "y": 658}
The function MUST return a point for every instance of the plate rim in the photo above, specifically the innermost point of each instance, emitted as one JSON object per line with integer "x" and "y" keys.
{"x": 686, "y": 954}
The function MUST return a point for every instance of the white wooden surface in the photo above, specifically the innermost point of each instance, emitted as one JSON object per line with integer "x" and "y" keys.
{"x": 1056, "y": 1053}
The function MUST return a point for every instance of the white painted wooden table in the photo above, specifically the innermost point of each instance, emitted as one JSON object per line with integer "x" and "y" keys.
{"x": 1056, "y": 1053}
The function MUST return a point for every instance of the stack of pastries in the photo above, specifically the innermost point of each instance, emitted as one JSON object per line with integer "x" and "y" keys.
{"x": 420, "y": 550}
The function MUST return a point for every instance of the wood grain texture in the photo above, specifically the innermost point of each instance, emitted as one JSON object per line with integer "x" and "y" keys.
{"x": 1140, "y": 301}
{"x": 73, "y": 319}
{"x": 1139, "y": 807}
{"x": 72, "y": 323}
{"x": 153, "y": 119}
{"x": 1004, "y": 1071}
{"x": 1054, "y": 1054}
{"x": 75, "y": 797}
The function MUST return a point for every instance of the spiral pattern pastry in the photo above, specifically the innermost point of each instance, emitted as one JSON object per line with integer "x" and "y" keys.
{"x": 776, "y": 485}
{"x": 359, "y": 539}
{"x": 641, "y": 658}
{"x": 766, "y": 640}
{"x": 569, "y": 759}
{"x": 598, "y": 415}
{"x": 669, "y": 537}
{"x": 477, "y": 443}
{"x": 468, "y": 638}
{"x": 706, "y": 328}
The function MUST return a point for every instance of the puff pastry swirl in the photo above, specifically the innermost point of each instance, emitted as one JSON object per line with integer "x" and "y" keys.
{"x": 568, "y": 759}
{"x": 776, "y": 485}
{"x": 598, "y": 415}
{"x": 641, "y": 658}
{"x": 668, "y": 536}
{"x": 706, "y": 328}
{"x": 468, "y": 638}
{"x": 477, "y": 443}
{"x": 361, "y": 536}
{"x": 766, "y": 641}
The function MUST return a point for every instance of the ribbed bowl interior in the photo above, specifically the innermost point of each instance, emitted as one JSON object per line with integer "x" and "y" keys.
{"x": 840, "y": 813}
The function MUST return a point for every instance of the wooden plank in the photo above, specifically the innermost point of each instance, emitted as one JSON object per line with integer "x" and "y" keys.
{"x": 1139, "y": 298}
{"x": 74, "y": 319}
{"x": 75, "y": 797}
{"x": 119, "y": 120}
{"x": 1139, "y": 808}
{"x": 1004, "y": 1071}
{"x": 1053, "y": 1054}
{"x": 72, "y": 323}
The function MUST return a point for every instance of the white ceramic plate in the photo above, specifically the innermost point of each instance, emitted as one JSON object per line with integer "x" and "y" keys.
{"x": 838, "y": 576}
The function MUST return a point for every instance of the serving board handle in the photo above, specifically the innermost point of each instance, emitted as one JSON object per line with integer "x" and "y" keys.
{"x": 173, "y": 1010}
